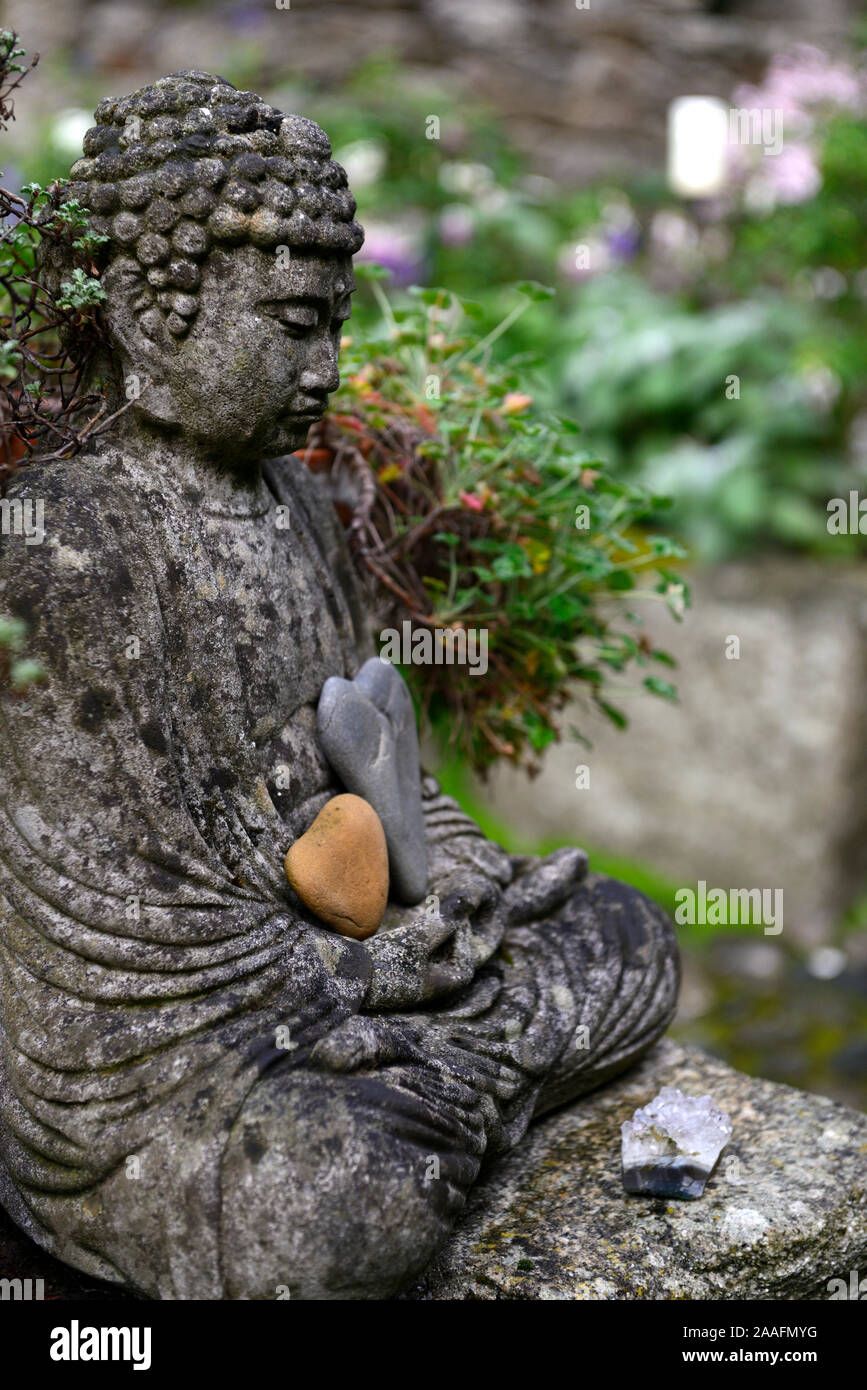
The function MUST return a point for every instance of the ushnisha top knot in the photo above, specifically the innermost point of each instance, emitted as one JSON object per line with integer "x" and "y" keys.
{"x": 190, "y": 162}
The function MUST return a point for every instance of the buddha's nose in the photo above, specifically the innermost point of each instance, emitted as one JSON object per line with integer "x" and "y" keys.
{"x": 320, "y": 372}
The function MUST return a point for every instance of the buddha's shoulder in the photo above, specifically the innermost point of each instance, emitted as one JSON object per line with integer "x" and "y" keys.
{"x": 82, "y": 483}
{"x": 70, "y": 518}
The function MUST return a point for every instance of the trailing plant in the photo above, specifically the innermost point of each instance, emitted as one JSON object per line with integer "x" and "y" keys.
{"x": 46, "y": 340}
{"x": 51, "y": 403}
{"x": 469, "y": 510}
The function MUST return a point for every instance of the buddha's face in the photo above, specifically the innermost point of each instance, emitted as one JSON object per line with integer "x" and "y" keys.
{"x": 257, "y": 365}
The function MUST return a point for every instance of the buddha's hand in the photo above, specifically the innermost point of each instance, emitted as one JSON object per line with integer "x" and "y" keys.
{"x": 366, "y": 1040}
{"x": 436, "y": 948}
{"x": 540, "y": 886}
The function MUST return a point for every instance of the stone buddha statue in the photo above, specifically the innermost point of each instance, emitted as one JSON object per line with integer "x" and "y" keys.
{"x": 206, "y": 1091}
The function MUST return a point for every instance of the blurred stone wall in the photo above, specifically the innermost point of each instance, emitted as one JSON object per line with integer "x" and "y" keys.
{"x": 583, "y": 91}
{"x": 757, "y": 778}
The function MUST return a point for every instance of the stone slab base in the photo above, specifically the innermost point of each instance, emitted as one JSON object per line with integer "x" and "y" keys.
{"x": 784, "y": 1212}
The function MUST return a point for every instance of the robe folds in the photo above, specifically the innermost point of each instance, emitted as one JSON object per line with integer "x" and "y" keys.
{"x": 163, "y": 994}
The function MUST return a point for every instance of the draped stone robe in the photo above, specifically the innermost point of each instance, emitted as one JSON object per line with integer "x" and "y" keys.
{"x": 204, "y": 1092}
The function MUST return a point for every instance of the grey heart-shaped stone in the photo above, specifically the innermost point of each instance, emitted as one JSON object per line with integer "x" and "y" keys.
{"x": 368, "y": 734}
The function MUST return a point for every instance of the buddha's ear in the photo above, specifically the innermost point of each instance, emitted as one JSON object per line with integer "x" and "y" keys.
{"x": 138, "y": 330}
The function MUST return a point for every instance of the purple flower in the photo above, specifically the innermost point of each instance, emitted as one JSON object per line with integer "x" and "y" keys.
{"x": 624, "y": 242}
{"x": 398, "y": 249}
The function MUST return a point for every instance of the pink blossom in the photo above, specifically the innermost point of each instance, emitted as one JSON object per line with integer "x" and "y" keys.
{"x": 793, "y": 174}
{"x": 802, "y": 79}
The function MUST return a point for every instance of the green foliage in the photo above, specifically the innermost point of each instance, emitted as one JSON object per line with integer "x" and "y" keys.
{"x": 81, "y": 291}
{"x": 10, "y": 359}
{"x": 655, "y": 383}
{"x": 489, "y": 514}
{"x": 829, "y": 229}
{"x": 48, "y": 331}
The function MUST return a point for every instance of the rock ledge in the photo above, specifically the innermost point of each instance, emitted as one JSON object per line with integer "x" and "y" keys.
{"x": 785, "y": 1211}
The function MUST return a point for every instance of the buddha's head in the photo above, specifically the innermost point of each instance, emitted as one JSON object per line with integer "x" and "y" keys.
{"x": 227, "y": 269}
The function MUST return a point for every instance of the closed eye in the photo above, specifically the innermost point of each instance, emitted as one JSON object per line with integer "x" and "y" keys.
{"x": 294, "y": 329}
{"x": 300, "y": 320}
{"x": 297, "y": 320}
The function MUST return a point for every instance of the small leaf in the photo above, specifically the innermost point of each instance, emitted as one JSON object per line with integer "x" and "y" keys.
{"x": 666, "y": 547}
{"x": 617, "y": 717}
{"x": 533, "y": 290}
{"x": 621, "y": 579}
{"x": 660, "y": 687}
{"x": 429, "y": 295}
{"x": 369, "y": 270}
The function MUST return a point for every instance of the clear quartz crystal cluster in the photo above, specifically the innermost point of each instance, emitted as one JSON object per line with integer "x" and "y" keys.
{"x": 670, "y": 1146}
